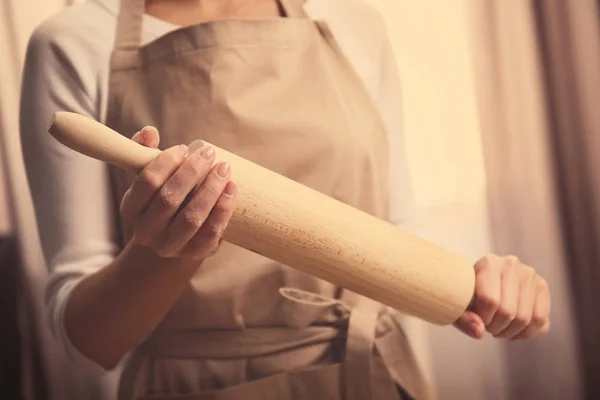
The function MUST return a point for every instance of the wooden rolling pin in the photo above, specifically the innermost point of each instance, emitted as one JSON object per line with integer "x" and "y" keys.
{"x": 304, "y": 229}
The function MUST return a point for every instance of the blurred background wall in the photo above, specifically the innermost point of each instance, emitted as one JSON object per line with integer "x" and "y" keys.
{"x": 504, "y": 149}
{"x": 42, "y": 371}
{"x": 503, "y": 143}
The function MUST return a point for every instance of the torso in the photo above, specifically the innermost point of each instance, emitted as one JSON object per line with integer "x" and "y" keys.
{"x": 239, "y": 292}
{"x": 277, "y": 92}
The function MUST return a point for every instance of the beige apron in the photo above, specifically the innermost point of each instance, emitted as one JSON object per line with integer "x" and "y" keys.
{"x": 278, "y": 92}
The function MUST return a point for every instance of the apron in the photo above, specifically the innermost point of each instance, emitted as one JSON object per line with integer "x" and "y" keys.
{"x": 278, "y": 92}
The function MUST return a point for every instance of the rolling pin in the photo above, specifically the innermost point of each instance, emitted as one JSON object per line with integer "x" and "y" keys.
{"x": 297, "y": 226}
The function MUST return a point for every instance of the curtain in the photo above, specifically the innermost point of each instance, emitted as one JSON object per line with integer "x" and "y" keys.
{"x": 446, "y": 161}
{"x": 504, "y": 149}
{"x": 569, "y": 35}
{"x": 538, "y": 72}
{"x": 44, "y": 372}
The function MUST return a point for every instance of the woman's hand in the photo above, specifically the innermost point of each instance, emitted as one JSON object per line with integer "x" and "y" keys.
{"x": 180, "y": 204}
{"x": 511, "y": 301}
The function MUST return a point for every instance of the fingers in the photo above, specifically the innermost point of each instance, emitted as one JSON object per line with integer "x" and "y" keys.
{"x": 148, "y": 137}
{"x": 540, "y": 321}
{"x": 470, "y": 324}
{"x": 512, "y": 301}
{"x": 509, "y": 300}
{"x": 180, "y": 204}
{"x": 208, "y": 238}
{"x": 488, "y": 289}
{"x": 147, "y": 184}
{"x": 152, "y": 227}
{"x": 191, "y": 218}
{"x": 525, "y": 306}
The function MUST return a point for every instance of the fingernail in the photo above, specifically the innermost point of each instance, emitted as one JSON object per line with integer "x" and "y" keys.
{"x": 229, "y": 189}
{"x": 183, "y": 149}
{"x": 207, "y": 152}
{"x": 223, "y": 170}
{"x": 143, "y": 134}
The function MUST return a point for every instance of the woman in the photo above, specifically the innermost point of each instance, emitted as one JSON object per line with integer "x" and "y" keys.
{"x": 138, "y": 267}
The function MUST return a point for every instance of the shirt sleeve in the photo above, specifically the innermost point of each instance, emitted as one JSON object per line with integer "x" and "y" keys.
{"x": 402, "y": 210}
{"x": 71, "y": 194}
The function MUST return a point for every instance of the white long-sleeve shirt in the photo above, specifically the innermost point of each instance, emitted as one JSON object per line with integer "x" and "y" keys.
{"x": 66, "y": 69}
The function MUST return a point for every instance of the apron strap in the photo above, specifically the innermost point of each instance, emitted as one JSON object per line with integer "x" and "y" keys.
{"x": 129, "y": 22}
{"x": 129, "y": 25}
{"x": 293, "y": 9}
{"x": 360, "y": 344}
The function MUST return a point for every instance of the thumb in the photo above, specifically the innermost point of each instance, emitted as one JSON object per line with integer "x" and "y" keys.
{"x": 471, "y": 325}
{"x": 148, "y": 137}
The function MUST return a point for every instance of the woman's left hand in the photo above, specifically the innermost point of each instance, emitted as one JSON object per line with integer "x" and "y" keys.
{"x": 511, "y": 301}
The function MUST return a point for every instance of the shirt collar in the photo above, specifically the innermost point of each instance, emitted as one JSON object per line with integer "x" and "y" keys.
{"x": 152, "y": 26}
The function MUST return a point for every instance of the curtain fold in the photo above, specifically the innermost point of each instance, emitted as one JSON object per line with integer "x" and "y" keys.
{"x": 443, "y": 143}
{"x": 537, "y": 70}
{"x": 569, "y": 35}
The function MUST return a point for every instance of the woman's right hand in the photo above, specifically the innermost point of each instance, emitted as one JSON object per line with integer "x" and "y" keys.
{"x": 180, "y": 204}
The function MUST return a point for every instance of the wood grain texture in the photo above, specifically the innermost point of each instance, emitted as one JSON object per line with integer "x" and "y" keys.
{"x": 300, "y": 227}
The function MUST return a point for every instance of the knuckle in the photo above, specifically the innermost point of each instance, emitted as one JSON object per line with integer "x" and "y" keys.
{"x": 172, "y": 156}
{"x": 215, "y": 231}
{"x": 542, "y": 284}
{"x": 523, "y": 319}
{"x": 489, "y": 258}
{"x": 167, "y": 198}
{"x": 485, "y": 262}
{"x": 192, "y": 220}
{"x": 511, "y": 264}
{"x": 512, "y": 260}
{"x": 488, "y": 302}
{"x": 151, "y": 179}
{"x": 528, "y": 271}
{"x": 507, "y": 313}
{"x": 539, "y": 320}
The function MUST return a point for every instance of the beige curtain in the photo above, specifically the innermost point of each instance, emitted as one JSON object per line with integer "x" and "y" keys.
{"x": 45, "y": 373}
{"x": 504, "y": 146}
{"x": 569, "y": 35}
{"x": 443, "y": 140}
{"x": 538, "y": 72}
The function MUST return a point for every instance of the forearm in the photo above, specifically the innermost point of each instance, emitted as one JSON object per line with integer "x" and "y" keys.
{"x": 113, "y": 310}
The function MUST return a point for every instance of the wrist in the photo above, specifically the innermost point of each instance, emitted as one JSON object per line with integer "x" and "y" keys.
{"x": 137, "y": 257}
